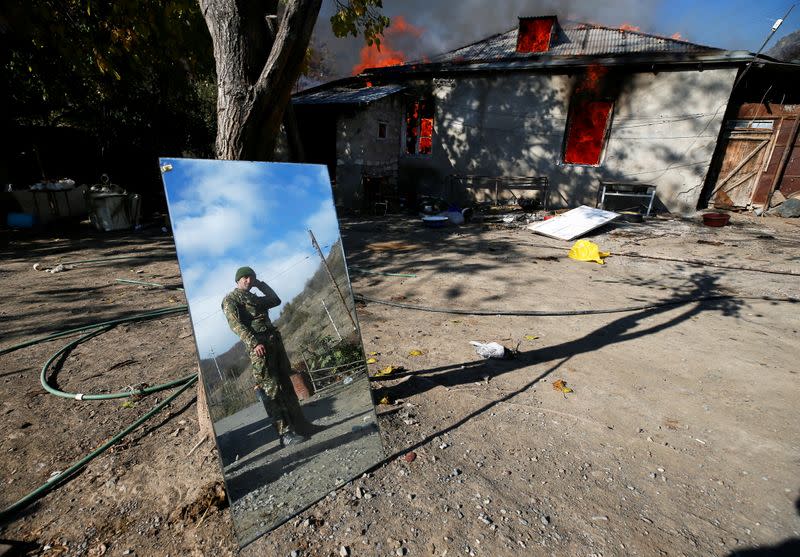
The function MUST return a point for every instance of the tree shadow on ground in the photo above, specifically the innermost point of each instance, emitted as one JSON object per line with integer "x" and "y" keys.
{"x": 625, "y": 328}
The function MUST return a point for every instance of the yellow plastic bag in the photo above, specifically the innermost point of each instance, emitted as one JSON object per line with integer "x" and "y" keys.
{"x": 584, "y": 250}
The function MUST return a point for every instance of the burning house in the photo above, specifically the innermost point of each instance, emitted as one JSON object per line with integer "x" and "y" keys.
{"x": 557, "y": 108}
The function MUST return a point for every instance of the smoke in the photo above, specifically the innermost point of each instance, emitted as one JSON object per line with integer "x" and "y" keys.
{"x": 449, "y": 25}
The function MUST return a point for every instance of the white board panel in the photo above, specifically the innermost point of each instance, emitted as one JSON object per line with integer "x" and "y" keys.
{"x": 574, "y": 223}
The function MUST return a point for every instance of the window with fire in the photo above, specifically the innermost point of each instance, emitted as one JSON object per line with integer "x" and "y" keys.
{"x": 419, "y": 127}
{"x": 588, "y": 120}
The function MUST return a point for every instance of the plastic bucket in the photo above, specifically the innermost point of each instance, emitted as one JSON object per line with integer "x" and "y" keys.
{"x": 716, "y": 219}
{"x": 302, "y": 385}
{"x": 21, "y": 220}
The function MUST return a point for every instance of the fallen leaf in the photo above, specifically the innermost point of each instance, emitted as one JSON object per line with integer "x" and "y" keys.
{"x": 372, "y": 354}
{"x": 416, "y": 352}
{"x": 561, "y": 385}
{"x": 372, "y": 361}
{"x": 531, "y": 337}
{"x": 388, "y": 370}
{"x": 128, "y": 404}
{"x": 410, "y": 457}
{"x": 385, "y": 401}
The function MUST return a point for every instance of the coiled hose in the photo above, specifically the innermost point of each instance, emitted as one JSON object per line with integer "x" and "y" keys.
{"x": 7, "y": 514}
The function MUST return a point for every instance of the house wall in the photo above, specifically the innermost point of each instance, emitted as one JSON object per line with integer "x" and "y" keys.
{"x": 663, "y": 131}
{"x": 359, "y": 152}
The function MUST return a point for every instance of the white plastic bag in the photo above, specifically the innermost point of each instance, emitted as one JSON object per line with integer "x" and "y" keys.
{"x": 488, "y": 350}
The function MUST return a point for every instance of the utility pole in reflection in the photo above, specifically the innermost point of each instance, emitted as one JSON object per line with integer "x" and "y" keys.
{"x": 219, "y": 371}
{"x": 333, "y": 280}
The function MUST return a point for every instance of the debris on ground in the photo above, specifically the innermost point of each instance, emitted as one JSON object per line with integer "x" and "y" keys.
{"x": 561, "y": 385}
{"x": 489, "y": 349}
{"x": 212, "y": 498}
{"x": 585, "y": 250}
{"x": 788, "y": 209}
{"x": 573, "y": 223}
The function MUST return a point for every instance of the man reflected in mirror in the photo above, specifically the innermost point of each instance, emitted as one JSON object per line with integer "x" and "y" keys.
{"x": 248, "y": 317}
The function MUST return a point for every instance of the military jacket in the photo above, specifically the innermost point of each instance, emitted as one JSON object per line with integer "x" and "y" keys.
{"x": 248, "y": 314}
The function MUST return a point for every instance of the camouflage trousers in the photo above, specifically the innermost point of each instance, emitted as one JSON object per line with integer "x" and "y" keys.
{"x": 271, "y": 373}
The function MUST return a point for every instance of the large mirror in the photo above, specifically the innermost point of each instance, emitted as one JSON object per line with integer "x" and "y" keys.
{"x": 277, "y": 337}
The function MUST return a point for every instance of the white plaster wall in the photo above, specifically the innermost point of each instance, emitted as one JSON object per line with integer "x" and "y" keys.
{"x": 503, "y": 125}
{"x": 663, "y": 131}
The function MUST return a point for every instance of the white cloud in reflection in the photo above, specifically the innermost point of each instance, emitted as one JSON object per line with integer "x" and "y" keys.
{"x": 226, "y": 214}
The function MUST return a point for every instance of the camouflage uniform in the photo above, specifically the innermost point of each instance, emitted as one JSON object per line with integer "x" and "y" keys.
{"x": 248, "y": 317}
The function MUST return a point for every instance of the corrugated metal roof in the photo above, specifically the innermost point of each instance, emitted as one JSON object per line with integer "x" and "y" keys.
{"x": 570, "y": 39}
{"x": 573, "y": 39}
{"x": 347, "y": 95}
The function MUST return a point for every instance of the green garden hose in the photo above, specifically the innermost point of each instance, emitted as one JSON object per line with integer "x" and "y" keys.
{"x": 93, "y": 330}
{"x": 138, "y": 317}
{"x": 54, "y": 482}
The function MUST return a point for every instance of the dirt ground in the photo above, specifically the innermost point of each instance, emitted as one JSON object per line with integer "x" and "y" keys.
{"x": 680, "y": 436}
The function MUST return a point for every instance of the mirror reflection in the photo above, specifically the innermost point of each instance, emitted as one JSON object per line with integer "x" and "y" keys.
{"x": 274, "y": 321}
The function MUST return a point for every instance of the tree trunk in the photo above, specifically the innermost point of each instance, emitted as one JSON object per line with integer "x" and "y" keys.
{"x": 256, "y": 70}
{"x": 255, "y": 74}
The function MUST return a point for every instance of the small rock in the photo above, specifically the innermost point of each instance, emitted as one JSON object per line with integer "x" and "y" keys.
{"x": 344, "y": 551}
{"x": 410, "y": 457}
{"x": 545, "y": 519}
{"x": 790, "y": 208}
{"x": 294, "y": 553}
{"x": 359, "y": 493}
{"x": 400, "y": 551}
{"x": 777, "y": 198}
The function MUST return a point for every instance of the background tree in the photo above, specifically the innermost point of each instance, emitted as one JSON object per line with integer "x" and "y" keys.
{"x": 136, "y": 71}
{"x": 259, "y": 49}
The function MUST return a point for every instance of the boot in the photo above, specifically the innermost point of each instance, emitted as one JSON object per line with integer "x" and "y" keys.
{"x": 291, "y": 438}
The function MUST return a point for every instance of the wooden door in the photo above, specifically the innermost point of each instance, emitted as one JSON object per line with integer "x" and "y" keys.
{"x": 746, "y": 150}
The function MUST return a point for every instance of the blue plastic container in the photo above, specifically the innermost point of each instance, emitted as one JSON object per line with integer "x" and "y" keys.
{"x": 21, "y": 220}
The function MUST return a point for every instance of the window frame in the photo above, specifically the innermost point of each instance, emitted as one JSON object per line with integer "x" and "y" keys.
{"x": 404, "y": 127}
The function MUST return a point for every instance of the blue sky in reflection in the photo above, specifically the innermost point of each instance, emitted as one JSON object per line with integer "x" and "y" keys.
{"x": 226, "y": 214}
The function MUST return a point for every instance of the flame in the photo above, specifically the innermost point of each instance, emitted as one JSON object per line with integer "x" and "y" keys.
{"x": 592, "y": 80}
{"x": 371, "y": 57}
{"x": 587, "y": 129}
{"x": 400, "y": 26}
{"x": 628, "y": 27}
{"x": 534, "y": 35}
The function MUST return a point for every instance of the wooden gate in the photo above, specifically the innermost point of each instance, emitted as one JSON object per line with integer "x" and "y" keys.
{"x": 747, "y": 147}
